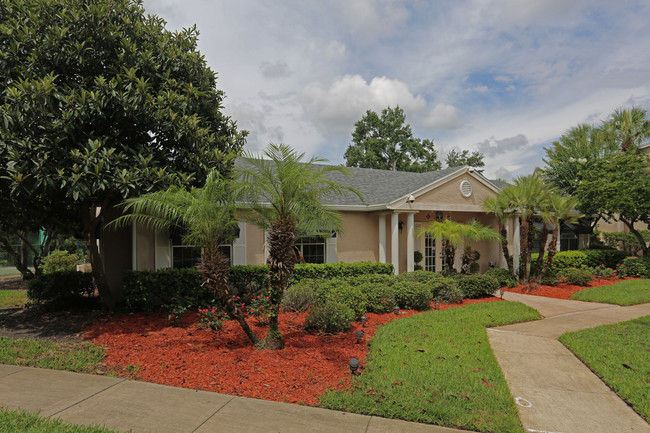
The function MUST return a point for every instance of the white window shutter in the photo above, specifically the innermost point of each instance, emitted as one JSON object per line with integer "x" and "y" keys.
{"x": 162, "y": 248}
{"x": 239, "y": 246}
{"x": 331, "y": 252}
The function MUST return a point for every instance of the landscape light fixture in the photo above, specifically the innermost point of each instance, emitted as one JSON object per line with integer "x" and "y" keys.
{"x": 396, "y": 309}
{"x": 364, "y": 320}
{"x": 501, "y": 291}
{"x": 354, "y": 365}
{"x": 436, "y": 305}
{"x": 359, "y": 335}
{"x": 462, "y": 297}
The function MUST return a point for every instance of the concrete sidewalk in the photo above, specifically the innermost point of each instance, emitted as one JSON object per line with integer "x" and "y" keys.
{"x": 121, "y": 405}
{"x": 554, "y": 390}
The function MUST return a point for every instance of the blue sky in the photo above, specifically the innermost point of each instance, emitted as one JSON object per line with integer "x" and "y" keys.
{"x": 504, "y": 77}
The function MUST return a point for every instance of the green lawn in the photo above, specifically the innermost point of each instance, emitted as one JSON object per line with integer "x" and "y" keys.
{"x": 46, "y": 354}
{"x": 629, "y": 292}
{"x": 438, "y": 367}
{"x": 12, "y": 298}
{"x": 620, "y": 355}
{"x": 22, "y": 422}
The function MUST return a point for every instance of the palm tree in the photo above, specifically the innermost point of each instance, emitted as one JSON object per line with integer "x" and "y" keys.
{"x": 499, "y": 207}
{"x": 628, "y": 127}
{"x": 208, "y": 218}
{"x": 560, "y": 209}
{"x": 284, "y": 196}
{"x": 454, "y": 235}
{"x": 524, "y": 197}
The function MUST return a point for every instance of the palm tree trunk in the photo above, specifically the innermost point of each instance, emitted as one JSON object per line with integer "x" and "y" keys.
{"x": 543, "y": 237}
{"x": 524, "y": 248}
{"x": 552, "y": 248}
{"x": 281, "y": 261}
{"x": 214, "y": 268}
{"x": 504, "y": 247}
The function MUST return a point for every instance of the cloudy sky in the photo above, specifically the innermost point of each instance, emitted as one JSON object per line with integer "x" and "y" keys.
{"x": 504, "y": 77}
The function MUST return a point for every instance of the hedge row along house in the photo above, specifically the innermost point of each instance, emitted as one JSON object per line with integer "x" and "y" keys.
{"x": 383, "y": 227}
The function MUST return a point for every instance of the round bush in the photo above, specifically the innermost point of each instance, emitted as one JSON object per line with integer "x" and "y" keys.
{"x": 300, "y": 297}
{"x": 349, "y": 295}
{"x": 577, "y": 277}
{"x": 331, "y": 317}
{"x": 503, "y": 276}
{"x": 477, "y": 286}
{"x": 412, "y": 295}
{"x": 636, "y": 267}
{"x": 378, "y": 298}
{"x": 60, "y": 261}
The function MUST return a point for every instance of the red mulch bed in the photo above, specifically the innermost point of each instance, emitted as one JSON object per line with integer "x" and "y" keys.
{"x": 561, "y": 291}
{"x": 190, "y": 357}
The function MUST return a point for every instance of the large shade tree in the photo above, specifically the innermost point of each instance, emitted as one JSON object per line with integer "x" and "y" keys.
{"x": 207, "y": 217}
{"x": 100, "y": 103}
{"x": 386, "y": 142}
{"x": 283, "y": 195}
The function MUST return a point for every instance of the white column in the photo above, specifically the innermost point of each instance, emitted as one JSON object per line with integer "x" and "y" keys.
{"x": 382, "y": 238}
{"x": 516, "y": 240}
{"x": 410, "y": 241}
{"x": 394, "y": 241}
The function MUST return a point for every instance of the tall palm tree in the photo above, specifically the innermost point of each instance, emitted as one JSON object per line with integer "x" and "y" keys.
{"x": 454, "y": 235}
{"x": 628, "y": 127}
{"x": 524, "y": 197}
{"x": 559, "y": 209}
{"x": 284, "y": 196}
{"x": 500, "y": 208}
{"x": 207, "y": 216}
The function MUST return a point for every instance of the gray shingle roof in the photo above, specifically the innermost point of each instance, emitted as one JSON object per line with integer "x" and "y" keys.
{"x": 378, "y": 187}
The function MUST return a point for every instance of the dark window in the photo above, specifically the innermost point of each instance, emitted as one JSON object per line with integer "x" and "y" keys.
{"x": 187, "y": 256}
{"x": 311, "y": 249}
{"x": 568, "y": 242}
{"x": 429, "y": 253}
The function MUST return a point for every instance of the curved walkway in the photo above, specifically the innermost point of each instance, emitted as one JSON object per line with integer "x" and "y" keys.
{"x": 555, "y": 391}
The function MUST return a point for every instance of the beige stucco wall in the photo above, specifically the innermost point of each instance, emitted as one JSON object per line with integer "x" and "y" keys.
{"x": 359, "y": 240}
{"x": 146, "y": 251}
{"x": 116, "y": 251}
{"x": 254, "y": 245}
{"x": 449, "y": 193}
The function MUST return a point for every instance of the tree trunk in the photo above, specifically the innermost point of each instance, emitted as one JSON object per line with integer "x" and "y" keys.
{"x": 543, "y": 237}
{"x": 524, "y": 248}
{"x": 449, "y": 253}
{"x": 552, "y": 248}
{"x": 637, "y": 235}
{"x": 22, "y": 267}
{"x": 504, "y": 247}
{"x": 281, "y": 261}
{"x": 214, "y": 268}
{"x": 91, "y": 222}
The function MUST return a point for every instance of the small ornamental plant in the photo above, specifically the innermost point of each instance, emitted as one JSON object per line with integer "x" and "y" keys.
{"x": 258, "y": 307}
{"x": 176, "y": 309}
{"x": 211, "y": 318}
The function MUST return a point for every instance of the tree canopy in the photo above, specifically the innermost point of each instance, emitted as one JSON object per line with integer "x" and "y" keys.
{"x": 460, "y": 159}
{"x": 102, "y": 103}
{"x": 386, "y": 142}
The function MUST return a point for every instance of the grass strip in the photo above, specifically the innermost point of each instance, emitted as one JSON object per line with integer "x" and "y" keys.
{"x": 21, "y": 421}
{"x": 619, "y": 355}
{"x": 438, "y": 368}
{"x": 12, "y": 298}
{"x": 629, "y": 292}
{"x": 29, "y": 352}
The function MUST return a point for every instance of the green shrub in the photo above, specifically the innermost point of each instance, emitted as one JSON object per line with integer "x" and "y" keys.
{"x": 412, "y": 295}
{"x": 607, "y": 257}
{"x": 549, "y": 278}
{"x": 635, "y": 267}
{"x": 576, "y": 276}
{"x": 249, "y": 281}
{"x": 151, "y": 290}
{"x": 60, "y": 261}
{"x": 437, "y": 283}
{"x": 300, "y": 297}
{"x": 337, "y": 270}
{"x": 503, "y": 276}
{"x": 417, "y": 256}
{"x": 332, "y": 317}
{"x": 350, "y": 295}
{"x": 474, "y": 267}
{"x": 60, "y": 288}
{"x": 477, "y": 286}
{"x": 379, "y": 298}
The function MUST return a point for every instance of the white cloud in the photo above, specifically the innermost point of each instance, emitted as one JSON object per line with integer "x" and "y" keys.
{"x": 480, "y": 89}
{"x": 338, "y": 105}
{"x": 277, "y": 69}
{"x": 442, "y": 116}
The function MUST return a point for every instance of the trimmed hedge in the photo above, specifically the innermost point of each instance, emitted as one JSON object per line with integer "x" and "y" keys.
{"x": 338, "y": 270}
{"x": 62, "y": 287}
{"x": 593, "y": 257}
{"x": 332, "y": 317}
{"x": 477, "y": 286}
{"x": 503, "y": 276}
{"x": 150, "y": 290}
{"x": 578, "y": 277}
{"x": 439, "y": 285}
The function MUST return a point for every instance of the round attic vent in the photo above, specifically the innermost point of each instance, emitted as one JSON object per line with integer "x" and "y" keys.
{"x": 466, "y": 188}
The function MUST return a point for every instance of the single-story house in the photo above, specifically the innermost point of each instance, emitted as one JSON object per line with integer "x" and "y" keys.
{"x": 383, "y": 227}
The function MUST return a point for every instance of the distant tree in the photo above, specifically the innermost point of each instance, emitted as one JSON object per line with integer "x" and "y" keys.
{"x": 386, "y": 142}
{"x": 460, "y": 159}
{"x": 627, "y": 128}
{"x": 101, "y": 103}
{"x": 618, "y": 187}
